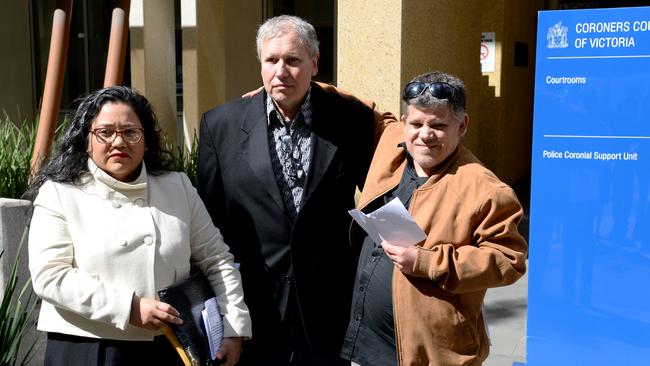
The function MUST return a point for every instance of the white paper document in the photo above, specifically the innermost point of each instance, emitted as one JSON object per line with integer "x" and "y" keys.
{"x": 391, "y": 222}
{"x": 213, "y": 325}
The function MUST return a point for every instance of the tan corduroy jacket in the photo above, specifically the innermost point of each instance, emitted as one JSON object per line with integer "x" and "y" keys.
{"x": 472, "y": 244}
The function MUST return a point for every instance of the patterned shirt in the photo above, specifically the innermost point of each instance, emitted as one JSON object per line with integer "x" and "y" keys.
{"x": 290, "y": 147}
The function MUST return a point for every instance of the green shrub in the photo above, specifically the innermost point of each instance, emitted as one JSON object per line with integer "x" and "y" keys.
{"x": 15, "y": 311}
{"x": 16, "y": 145}
{"x": 183, "y": 160}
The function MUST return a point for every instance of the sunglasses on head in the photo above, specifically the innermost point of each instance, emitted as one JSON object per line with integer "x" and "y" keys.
{"x": 440, "y": 90}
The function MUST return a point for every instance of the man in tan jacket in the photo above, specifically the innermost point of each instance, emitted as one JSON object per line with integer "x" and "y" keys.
{"x": 422, "y": 305}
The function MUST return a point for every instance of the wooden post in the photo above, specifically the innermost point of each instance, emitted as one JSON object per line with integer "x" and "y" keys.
{"x": 117, "y": 44}
{"x": 53, "y": 83}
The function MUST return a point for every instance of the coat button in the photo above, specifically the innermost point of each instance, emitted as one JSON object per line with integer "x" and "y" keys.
{"x": 286, "y": 279}
{"x": 139, "y": 202}
{"x": 116, "y": 204}
{"x": 148, "y": 240}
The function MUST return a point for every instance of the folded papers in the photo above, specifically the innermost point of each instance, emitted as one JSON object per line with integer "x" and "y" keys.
{"x": 391, "y": 222}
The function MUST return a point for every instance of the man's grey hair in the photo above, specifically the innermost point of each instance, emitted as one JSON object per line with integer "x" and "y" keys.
{"x": 426, "y": 100}
{"x": 283, "y": 24}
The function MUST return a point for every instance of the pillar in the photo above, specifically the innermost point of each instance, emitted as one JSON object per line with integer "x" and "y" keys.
{"x": 507, "y": 93}
{"x": 153, "y": 60}
{"x": 383, "y": 44}
{"x": 219, "y": 58}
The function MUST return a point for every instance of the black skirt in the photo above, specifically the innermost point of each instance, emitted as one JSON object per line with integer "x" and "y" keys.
{"x": 69, "y": 350}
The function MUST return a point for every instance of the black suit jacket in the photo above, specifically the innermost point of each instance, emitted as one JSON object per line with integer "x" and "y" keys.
{"x": 239, "y": 188}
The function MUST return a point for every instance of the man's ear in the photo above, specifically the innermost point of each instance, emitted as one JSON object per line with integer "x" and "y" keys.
{"x": 314, "y": 60}
{"x": 464, "y": 123}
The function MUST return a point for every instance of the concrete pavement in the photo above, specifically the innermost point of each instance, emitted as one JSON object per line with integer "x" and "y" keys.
{"x": 505, "y": 309}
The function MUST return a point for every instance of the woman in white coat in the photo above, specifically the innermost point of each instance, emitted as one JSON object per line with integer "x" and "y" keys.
{"x": 112, "y": 225}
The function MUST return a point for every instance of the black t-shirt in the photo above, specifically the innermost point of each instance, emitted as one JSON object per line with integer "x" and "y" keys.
{"x": 370, "y": 339}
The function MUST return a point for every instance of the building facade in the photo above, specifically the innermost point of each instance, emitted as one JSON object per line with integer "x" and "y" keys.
{"x": 187, "y": 56}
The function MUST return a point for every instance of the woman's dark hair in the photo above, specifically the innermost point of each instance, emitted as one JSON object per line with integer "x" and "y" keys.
{"x": 69, "y": 162}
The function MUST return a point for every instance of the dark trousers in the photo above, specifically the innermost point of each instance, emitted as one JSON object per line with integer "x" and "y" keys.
{"x": 286, "y": 346}
{"x": 69, "y": 350}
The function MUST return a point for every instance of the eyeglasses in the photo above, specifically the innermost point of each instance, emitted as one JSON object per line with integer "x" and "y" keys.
{"x": 439, "y": 90}
{"x": 106, "y": 135}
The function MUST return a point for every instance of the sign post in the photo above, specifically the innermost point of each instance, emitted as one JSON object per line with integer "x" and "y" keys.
{"x": 589, "y": 281}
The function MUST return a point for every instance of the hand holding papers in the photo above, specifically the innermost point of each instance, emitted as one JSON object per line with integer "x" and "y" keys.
{"x": 391, "y": 223}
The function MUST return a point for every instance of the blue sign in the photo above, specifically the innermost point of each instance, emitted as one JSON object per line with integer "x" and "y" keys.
{"x": 589, "y": 280}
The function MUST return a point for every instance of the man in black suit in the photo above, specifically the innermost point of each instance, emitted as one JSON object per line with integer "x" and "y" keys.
{"x": 278, "y": 173}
